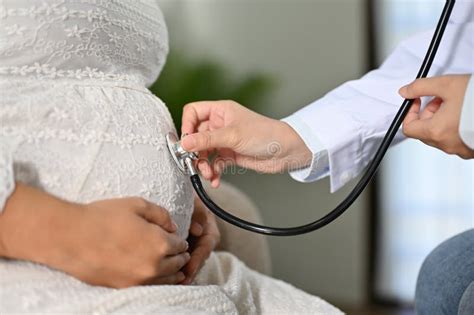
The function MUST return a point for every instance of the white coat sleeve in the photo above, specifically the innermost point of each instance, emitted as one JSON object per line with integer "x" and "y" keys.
{"x": 466, "y": 125}
{"x": 344, "y": 128}
{"x": 7, "y": 181}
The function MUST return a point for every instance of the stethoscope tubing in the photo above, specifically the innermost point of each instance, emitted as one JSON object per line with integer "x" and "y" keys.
{"x": 366, "y": 177}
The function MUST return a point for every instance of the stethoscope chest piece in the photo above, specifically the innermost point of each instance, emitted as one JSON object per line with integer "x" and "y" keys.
{"x": 183, "y": 159}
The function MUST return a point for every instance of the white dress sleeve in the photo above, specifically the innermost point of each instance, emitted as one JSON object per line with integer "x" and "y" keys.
{"x": 466, "y": 126}
{"x": 7, "y": 180}
{"x": 345, "y": 127}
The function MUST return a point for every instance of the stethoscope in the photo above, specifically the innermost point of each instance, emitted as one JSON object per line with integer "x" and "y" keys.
{"x": 185, "y": 160}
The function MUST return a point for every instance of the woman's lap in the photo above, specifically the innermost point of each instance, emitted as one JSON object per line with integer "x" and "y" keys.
{"x": 445, "y": 281}
{"x": 224, "y": 286}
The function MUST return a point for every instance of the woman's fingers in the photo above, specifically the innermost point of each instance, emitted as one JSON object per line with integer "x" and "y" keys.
{"x": 196, "y": 229}
{"x": 191, "y": 269}
{"x": 201, "y": 246}
{"x": 198, "y": 258}
{"x": 172, "y": 264}
{"x": 168, "y": 280}
{"x": 171, "y": 244}
{"x": 155, "y": 214}
{"x": 199, "y": 219}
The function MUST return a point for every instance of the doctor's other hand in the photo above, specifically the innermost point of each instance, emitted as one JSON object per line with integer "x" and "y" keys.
{"x": 437, "y": 124}
{"x": 239, "y": 136}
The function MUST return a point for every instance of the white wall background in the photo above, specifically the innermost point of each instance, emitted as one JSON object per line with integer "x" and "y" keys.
{"x": 310, "y": 46}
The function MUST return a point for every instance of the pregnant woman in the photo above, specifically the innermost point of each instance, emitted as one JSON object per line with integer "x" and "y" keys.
{"x": 94, "y": 214}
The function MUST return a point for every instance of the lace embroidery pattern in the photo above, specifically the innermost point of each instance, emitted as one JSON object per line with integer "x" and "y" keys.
{"x": 45, "y": 71}
{"x": 6, "y": 174}
{"x": 86, "y": 138}
{"x": 106, "y": 40}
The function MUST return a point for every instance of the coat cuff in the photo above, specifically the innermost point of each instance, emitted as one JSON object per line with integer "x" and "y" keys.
{"x": 334, "y": 137}
{"x": 319, "y": 167}
{"x": 466, "y": 125}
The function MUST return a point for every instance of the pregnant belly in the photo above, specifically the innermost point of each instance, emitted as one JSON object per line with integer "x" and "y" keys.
{"x": 91, "y": 142}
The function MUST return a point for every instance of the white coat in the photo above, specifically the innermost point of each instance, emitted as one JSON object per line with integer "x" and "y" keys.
{"x": 344, "y": 128}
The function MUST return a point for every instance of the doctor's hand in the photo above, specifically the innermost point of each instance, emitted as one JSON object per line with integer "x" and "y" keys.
{"x": 240, "y": 137}
{"x": 437, "y": 124}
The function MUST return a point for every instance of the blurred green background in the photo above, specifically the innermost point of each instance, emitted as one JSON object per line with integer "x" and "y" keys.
{"x": 184, "y": 80}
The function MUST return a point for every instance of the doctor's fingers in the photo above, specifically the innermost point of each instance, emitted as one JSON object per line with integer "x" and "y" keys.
{"x": 418, "y": 129}
{"x": 219, "y": 165}
{"x": 431, "y": 108}
{"x": 428, "y": 112}
{"x": 413, "y": 113}
{"x": 209, "y": 140}
{"x": 435, "y": 86}
{"x": 203, "y": 163}
{"x": 196, "y": 113}
{"x": 193, "y": 115}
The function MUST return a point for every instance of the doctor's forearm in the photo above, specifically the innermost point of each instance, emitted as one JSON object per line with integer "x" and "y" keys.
{"x": 351, "y": 120}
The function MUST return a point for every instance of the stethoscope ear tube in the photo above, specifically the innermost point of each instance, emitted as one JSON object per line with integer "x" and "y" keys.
{"x": 366, "y": 177}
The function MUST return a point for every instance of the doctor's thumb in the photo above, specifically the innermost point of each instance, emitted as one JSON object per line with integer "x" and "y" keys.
{"x": 208, "y": 140}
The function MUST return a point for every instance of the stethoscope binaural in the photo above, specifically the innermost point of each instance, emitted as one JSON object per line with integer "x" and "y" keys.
{"x": 185, "y": 160}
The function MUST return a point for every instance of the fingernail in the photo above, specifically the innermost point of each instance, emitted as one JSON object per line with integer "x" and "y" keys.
{"x": 199, "y": 229}
{"x": 186, "y": 281}
{"x": 187, "y": 256}
{"x": 217, "y": 168}
{"x": 187, "y": 245}
{"x": 181, "y": 276}
{"x": 175, "y": 226}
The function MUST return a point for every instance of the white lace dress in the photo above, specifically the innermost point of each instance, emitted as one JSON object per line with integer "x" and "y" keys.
{"x": 77, "y": 121}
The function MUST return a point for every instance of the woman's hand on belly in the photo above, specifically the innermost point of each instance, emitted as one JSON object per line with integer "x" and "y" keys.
{"x": 204, "y": 238}
{"x": 115, "y": 243}
{"x": 126, "y": 242}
